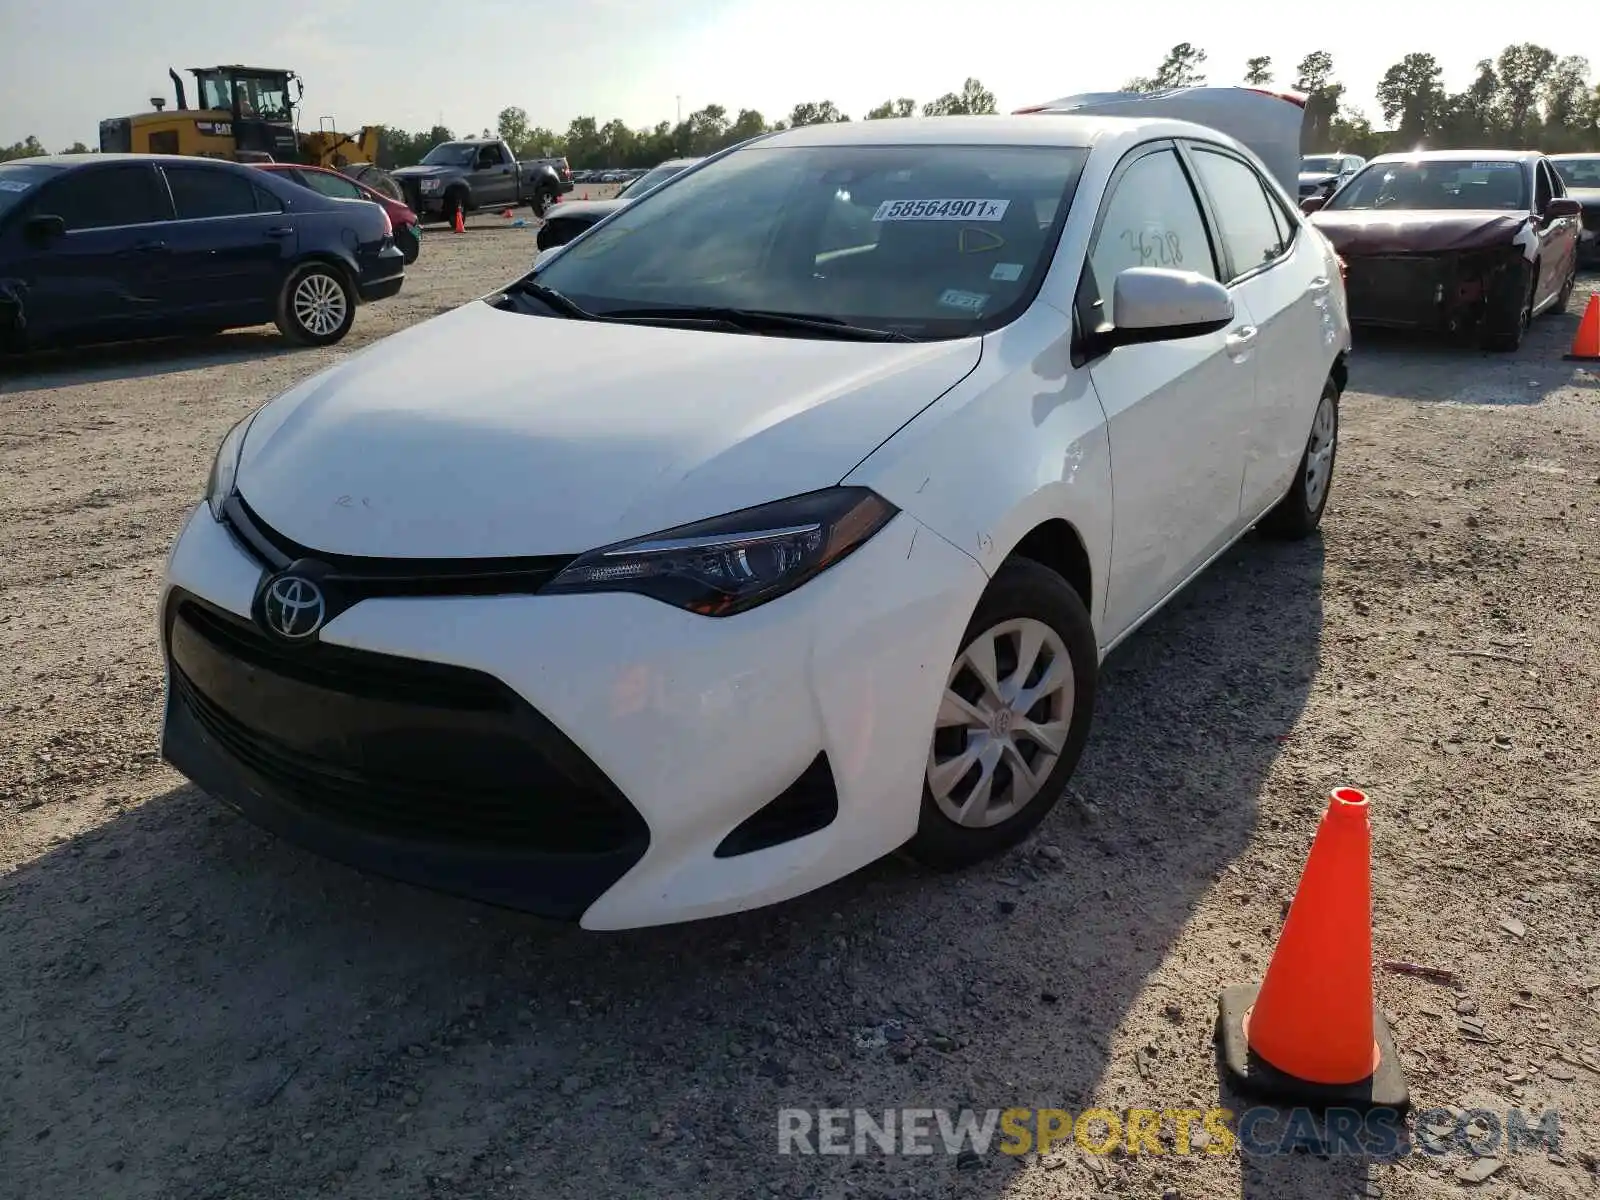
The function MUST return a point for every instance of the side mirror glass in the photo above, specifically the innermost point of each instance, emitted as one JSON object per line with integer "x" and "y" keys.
{"x": 1312, "y": 203}
{"x": 44, "y": 228}
{"x": 1152, "y": 304}
{"x": 1562, "y": 206}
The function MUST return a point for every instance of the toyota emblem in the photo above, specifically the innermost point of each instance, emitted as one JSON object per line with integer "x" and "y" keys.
{"x": 293, "y": 607}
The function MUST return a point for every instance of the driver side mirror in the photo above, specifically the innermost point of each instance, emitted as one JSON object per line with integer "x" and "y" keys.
{"x": 1153, "y": 304}
{"x": 1312, "y": 204}
{"x": 1562, "y": 206}
{"x": 44, "y": 228}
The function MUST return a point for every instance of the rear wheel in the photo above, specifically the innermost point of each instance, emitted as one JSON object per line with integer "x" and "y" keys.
{"x": 317, "y": 305}
{"x": 541, "y": 202}
{"x": 409, "y": 239}
{"x": 1299, "y": 513}
{"x": 1013, "y": 719}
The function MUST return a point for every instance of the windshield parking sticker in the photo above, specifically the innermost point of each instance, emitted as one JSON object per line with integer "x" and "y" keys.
{"x": 1006, "y": 272}
{"x": 13, "y": 185}
{"x": 970, "y": 301}
{"x": 941, "y": 210}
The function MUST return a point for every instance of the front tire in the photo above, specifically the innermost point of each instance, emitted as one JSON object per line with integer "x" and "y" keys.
{"x": 1299, "y": 513}
{"x": 1510, "y": 311}
{"x": 1012, "y": 724}
{"x": 317, "y": 305}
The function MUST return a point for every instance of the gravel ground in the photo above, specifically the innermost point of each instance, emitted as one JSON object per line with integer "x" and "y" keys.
{"x": 191, "y": 1008}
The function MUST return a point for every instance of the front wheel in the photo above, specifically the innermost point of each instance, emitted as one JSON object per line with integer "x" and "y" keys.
{"x": 1510, "y": 310}
{"x": 1299, "y": 513}
{"x": 317, "y": 305}
{"x": 1013, "y": 719}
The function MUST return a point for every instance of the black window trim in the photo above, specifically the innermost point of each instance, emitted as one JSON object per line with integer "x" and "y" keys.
{"x": 48, "y": 185}
{"x": 172, "y": 200}
{"x": 1210, "y": 208}
{"x": 1135, "y": 154}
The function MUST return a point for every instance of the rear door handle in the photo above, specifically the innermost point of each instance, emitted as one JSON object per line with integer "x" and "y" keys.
{"x": 278, "y": 231}
{"x": 151, "y": 246}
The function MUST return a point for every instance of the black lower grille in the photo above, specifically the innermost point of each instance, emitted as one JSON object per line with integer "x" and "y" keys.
{"x": 1398, "y": 289}
{"x": 396, "y": 747}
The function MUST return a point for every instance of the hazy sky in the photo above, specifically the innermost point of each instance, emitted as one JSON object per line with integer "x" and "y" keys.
{"x": 68, "y": 63}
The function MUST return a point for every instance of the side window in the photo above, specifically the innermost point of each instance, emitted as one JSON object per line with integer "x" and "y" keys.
{"x": 198, "y": 192}
{"x": 266, "y": 202}
{"x": 1542, "y": 192}
{"x": 1250, "y": 230}
{"x": 104, "y": 197}
{"x": 332, "y": 185}
{"x": 489, "y": 156}
{"x": 1151, "y": 219}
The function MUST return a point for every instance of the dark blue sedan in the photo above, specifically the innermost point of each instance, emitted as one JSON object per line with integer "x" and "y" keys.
{"x": 109, "y": 247}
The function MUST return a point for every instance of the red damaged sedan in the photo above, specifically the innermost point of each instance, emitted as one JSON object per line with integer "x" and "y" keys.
{"x": 1459, "y": 241}
{"x": 407, "y": 226}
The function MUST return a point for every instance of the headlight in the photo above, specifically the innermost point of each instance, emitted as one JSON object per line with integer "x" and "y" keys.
{"x": 225, "y": 467}
{"x": 431, "y": 185}
{"x": 733, "y": 563}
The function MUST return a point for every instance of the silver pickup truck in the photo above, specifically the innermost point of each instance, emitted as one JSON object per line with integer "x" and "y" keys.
{"x": 477, "y": 173}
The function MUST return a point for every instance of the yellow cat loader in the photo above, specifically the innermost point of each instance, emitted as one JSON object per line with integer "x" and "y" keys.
{"x": 244, "y": 114}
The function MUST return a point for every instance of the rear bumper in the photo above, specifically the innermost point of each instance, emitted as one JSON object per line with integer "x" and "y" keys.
{"x": 382, "y": 274}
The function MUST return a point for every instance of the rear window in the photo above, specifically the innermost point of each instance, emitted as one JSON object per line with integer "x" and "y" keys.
{"x": 1578, "y": 172}
{"x": 17, "y": 180}
{"x": 199, "y": 192}
{"x": 927, "y": 240}
{"x": 1494, "y": 184}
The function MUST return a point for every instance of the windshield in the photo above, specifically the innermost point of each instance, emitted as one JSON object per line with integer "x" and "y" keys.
{"x": 923, "y": 240}
{"x": 1320, "y": 162}
{"x": 17, "y": 180}
{"x": 265, "y": 97}
{"x": 1578, "y": 172}
{"x": 451, "y": 154}
{"x": 1433, "y": 185}
{"x": 650, "y": 178}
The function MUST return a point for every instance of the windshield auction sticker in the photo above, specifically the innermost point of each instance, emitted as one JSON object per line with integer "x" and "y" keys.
{"x": 13, "y": 185}
{"x": 941, "y": 210}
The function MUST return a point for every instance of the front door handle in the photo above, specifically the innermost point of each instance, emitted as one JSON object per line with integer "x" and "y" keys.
{"x": 1240, "y": 341}
{"x": 279, "y": 231}
{"x": 151, "y": 246}
{"x": 1319, "y": 284}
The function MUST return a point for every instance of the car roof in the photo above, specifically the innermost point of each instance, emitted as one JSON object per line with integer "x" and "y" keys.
{"x": 1032, "y": 129}
{"x": 1521, "y": 156}
{"x": 1571, "y": 154}
{"x": 80, "y": 160}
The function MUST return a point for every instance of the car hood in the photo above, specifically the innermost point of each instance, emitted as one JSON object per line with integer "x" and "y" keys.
{"x": 485, "y": 434}
{"x": 1391, "y": 231}
{"x": 432, "y": 171}
{"x": 592, "y": 210}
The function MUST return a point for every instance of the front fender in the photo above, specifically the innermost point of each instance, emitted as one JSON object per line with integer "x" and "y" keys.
{"x": 1020, "y": 441}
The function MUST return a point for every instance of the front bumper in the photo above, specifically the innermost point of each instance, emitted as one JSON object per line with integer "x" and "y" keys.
{"x": 664, "y": 731}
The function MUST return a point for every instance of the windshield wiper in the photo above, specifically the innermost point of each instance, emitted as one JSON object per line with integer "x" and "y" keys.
{"x": 553, "y": 299}
{"x": 760, "y": 321}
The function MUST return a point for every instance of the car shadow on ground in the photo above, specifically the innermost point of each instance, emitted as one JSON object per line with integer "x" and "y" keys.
{"x": 1438, "y": 369}
{"x": 47, "y": 370}
{"x": 195, "y": 1008}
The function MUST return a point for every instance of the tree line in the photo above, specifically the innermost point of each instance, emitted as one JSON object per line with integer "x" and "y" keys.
{"x": 1527, "y": 96}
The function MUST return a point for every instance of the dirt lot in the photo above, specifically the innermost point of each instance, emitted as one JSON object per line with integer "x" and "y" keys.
{"x": 189, "y": 1008}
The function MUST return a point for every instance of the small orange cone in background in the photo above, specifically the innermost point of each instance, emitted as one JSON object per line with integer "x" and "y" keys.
{"x": 1586, "y": 342}
{"x": 1311, "y": 1034}
{"x": 507, "y": 215}
{"x": 461, "y": 223}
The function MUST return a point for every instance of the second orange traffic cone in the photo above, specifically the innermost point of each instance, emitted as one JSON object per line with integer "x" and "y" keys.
{"x": 461, "y": 222}
{"x": 1311, "y": 1034}
{"x": 1586, "y": 342}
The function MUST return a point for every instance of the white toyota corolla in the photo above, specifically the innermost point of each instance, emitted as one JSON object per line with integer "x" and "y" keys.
{"x": 780, "y": 521}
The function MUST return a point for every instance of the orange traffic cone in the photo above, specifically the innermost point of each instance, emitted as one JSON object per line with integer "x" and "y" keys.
{"x": 1586, "y": 342}
{"x": 507, "y": 215}
{"x": 461, "y": 223}
{"x": 1311, "y": 1034}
